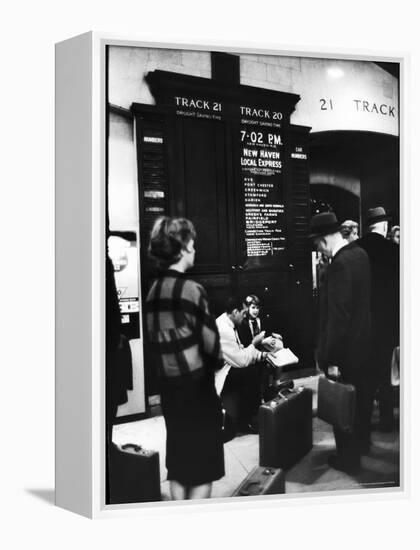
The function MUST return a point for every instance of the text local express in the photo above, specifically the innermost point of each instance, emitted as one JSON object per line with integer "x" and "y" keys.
{"x": 261, "y": 163}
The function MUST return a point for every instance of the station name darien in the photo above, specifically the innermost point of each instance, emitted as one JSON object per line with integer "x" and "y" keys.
{"x": 198, "y": 103}
{"x": 261, "y": 113}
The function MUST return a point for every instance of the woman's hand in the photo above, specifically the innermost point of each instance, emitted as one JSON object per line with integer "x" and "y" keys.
{"x": 272, "y": 343}
{"x": 256, "y": 341}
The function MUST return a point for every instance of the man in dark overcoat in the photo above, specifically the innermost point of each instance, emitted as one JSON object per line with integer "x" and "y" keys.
{"x": 344, "y": 330}
{"x": 384, "y": 260}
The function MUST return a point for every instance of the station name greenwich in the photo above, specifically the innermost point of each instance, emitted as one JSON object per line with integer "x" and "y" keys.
{"x": 208, "y": 105}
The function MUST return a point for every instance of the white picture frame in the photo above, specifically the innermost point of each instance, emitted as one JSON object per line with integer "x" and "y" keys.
{"x": 80, "y": 287}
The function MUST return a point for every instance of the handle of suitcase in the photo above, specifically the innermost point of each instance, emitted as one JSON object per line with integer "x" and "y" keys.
{"x": 247, "y": 489}
{"x": 133, "y": 446}
{"x": 285, "y": 385}
{"x": 278, "y": 389}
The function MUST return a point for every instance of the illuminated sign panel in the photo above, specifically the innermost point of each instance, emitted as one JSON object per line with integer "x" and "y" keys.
{"x": 261, "y": 140}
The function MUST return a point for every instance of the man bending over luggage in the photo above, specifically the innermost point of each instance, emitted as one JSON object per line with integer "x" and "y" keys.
{"x": 344, "y": 334}
{"x": 238, "y": 382}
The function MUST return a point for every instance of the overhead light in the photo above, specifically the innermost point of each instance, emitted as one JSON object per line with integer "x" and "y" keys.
{"x": 335, "y": 72}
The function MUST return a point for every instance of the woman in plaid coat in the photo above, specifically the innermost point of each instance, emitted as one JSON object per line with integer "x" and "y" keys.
{"x": 186, "y": 345}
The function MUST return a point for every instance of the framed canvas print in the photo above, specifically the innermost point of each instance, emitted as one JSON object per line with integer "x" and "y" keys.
{"x": 228, "y": 231}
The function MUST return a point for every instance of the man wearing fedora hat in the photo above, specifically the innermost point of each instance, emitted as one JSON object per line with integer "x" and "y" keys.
{"x": 350, "y": 230}
{"x": 384, "y": 261}
{"x": 344, "y": 333}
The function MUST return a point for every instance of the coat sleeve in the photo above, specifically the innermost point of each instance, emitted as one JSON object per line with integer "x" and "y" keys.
{"x": 204, "y": 326}
{"x": 233, "y": 354}
{"x": 339, "y": 300}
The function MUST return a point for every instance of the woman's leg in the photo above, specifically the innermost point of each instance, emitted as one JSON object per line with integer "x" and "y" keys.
{"x": 178, "y": 491}
{"x": 200, "y": 491}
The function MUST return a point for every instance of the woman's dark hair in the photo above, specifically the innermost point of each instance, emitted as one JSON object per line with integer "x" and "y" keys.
{"x": 168, "y": 237}
{"x": 252, "y": 299}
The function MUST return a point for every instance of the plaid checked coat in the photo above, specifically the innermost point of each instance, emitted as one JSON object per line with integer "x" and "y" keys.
{"x": 181, "y": 330}
{"x": 186, "y": 344}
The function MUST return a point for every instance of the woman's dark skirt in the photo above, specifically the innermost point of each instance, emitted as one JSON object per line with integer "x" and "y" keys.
{"x": 193, "y": 417}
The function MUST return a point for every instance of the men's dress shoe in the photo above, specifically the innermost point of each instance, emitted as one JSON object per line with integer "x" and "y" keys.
{"x": 348, "y": 467}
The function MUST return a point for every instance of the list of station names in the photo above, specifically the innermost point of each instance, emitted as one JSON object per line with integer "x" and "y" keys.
{"x": 261, "y": 169}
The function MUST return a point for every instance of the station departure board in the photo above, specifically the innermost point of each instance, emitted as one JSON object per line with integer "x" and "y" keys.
{"x": 262, "y": 164}
{"x": 235, "y": 141}
{"x": 226, "y": 156}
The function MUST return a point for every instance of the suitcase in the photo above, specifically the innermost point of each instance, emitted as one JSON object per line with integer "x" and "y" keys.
{"x": 261, "y": 481}
{"x": 337, "y": 404}
{"x": 276, "y": 387}
{"x": 286, "y": 428}
{"x": 134, "y": 474}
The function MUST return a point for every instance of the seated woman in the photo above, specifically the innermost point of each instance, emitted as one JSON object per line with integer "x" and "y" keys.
{"x": 253, "y": 325}
{"x": 186, "y": 344}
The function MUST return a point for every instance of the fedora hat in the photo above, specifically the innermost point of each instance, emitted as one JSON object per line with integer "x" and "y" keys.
{"x": 322, "y": 224}
{"x": 376, "y": 215}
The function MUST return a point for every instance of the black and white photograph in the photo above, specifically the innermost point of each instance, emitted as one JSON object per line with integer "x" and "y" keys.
{"x": 252, "y": 261}
{"x": 210, "y": 263}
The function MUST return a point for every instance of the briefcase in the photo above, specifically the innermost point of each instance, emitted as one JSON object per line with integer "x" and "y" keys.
{"x": 336, "y": 404}
{"x": 134, "y": 474}
{"x": 261, "y": 481}
{"x": 285, "y": 424}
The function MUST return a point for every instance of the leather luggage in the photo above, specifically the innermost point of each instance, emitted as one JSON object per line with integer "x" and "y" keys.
{"x": 337, "y": 404}
{"x": 276, "y": 387}
{"x": 286, "y": 428}
{"x": 261, "y": 481}
{"x": 134, "y": 474}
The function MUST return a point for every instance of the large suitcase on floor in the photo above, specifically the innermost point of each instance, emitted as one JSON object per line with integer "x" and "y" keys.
{"x": 285, "y": 425}
{"x": 134, "y": 474}
{"x": 262, "y": 481}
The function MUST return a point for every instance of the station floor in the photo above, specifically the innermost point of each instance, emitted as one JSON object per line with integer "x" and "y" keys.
{"x": 380, "y": 469}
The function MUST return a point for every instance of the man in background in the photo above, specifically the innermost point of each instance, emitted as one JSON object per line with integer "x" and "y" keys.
{"x": 350, "y": 230}
{"x": 384, "y": 260}
{"x": 118, "y": 368}
{"x": 344, "y": 334}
